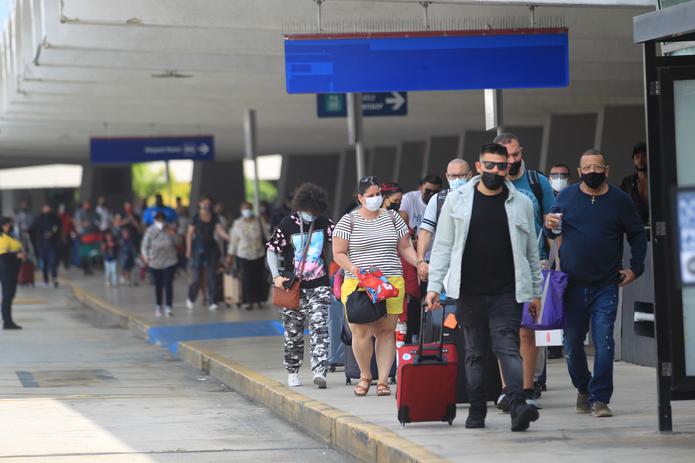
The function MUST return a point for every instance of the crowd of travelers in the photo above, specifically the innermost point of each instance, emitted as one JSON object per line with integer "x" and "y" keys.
{"x": 482, "y": 243}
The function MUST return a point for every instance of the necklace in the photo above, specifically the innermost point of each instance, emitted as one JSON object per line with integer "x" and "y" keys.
{"x": 593, "y": 199}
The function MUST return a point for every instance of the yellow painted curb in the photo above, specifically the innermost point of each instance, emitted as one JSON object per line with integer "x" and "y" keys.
{"x": 337, "y": 428}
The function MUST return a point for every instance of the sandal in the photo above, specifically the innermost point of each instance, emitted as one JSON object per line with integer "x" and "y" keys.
{"x": 383, "y": 389}
{"x": 360, "y": 390}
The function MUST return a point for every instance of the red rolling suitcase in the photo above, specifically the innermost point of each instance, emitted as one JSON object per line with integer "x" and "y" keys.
{"x": 26, "y": 274}
{"x": 426, "y": 381}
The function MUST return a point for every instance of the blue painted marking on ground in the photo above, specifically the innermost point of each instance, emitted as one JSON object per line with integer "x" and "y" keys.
{"x": 170, "y": 336}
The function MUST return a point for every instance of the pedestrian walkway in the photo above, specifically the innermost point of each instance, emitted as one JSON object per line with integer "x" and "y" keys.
{"x": 253, "y": 365}
{"x": 75, "y": 389}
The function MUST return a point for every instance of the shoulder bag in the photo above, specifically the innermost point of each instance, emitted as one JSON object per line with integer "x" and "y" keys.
{"x": 288, "y": 297}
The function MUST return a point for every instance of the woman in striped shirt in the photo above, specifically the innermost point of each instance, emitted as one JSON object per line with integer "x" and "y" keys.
{"x": 373, "y": 237}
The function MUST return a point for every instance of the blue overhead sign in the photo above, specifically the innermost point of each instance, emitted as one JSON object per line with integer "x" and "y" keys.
{"x": 413, "y": 61}
{"x": 131, "y": 150}
{"x": 373, "y": 104}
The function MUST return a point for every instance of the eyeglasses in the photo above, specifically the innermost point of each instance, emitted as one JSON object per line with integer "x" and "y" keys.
{"x": 489, "y": 165}
{"x": 456, "y": 176}
{"x": 599, "y": 168}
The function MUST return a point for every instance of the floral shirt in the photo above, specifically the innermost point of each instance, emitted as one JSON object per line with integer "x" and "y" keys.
{"x": 289, "y": 238}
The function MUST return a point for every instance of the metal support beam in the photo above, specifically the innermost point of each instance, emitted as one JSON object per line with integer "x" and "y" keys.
{"x": 355, "y": 132}
{"x": 250, "y": 145}
{"x": 493, "y": 110}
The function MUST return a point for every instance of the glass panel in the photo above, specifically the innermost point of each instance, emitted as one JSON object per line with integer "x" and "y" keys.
{"x": 667, "y": 3}
{"x": 684, "y": 108}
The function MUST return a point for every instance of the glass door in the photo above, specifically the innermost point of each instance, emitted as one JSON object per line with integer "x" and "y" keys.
{"x": 677, "y": 110}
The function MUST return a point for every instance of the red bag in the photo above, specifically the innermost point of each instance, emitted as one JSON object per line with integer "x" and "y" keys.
{"x": 377, "y": 286}
{"x": 426, "y": 381}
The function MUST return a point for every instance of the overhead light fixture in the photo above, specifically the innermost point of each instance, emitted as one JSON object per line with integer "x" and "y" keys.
{"x": 171, "y": 74}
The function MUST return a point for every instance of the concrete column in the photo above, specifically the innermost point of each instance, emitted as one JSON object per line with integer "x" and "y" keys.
{"x": 223, "y": 180}
{"x": 113, "y": 182}
{"x": 412, "y": 161}
{"x": 442, "y": 149}
{"x": 623, "y": 126}
{"x": 321, "y": 169}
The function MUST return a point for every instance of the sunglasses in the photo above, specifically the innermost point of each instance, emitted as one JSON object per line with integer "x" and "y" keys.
{"x": 369, "y": 180}
{"x": 489, "y": 165}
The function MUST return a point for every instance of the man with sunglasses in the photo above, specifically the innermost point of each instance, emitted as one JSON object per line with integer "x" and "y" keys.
{"x": 592, "y": 218}
{"x": 485, "y": 255}
{"x": 415, "y": 202}
{"x": 537, "y": 187}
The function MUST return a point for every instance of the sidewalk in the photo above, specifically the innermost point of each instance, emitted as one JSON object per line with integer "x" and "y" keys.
{"x": 244, "y": 350}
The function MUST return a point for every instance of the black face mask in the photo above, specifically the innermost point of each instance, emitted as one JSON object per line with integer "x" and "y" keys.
{"x": 427, "y": 195}
{"x": 492, "y": 181}
{"x": 514, "y": 168}
{"x": 394, "y": 207}
{"x": 594, "y": 179}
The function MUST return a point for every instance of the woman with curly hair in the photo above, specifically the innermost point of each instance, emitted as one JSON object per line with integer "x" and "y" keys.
{"x": 288, "y": 240}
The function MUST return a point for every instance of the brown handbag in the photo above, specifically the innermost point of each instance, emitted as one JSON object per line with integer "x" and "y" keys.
{"x": 289, "y": 297}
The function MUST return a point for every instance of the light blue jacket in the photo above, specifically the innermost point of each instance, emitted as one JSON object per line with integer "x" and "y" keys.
{"x": 452, "y": 231}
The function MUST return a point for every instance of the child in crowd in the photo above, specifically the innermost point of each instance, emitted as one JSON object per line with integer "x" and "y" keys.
{"x": 109, "y": 249}
{"x": 127, "y": 256}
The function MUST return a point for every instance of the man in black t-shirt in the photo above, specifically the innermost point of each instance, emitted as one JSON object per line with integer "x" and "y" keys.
{"x": 486, "y": 253}
{"x": 203, "y": 252}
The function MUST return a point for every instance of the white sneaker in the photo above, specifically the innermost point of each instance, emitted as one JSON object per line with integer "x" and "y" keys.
{"x": 157, "y": 311}
{"x": 168, "y": 312}
{"x": 293, "y": 380}
{"x": 190, "y": 305}
{"x": 212, "y": 307}
{"x": 320, "y": 381}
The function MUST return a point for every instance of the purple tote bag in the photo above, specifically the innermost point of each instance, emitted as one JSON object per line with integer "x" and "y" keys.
{"x": 552, "y": 312}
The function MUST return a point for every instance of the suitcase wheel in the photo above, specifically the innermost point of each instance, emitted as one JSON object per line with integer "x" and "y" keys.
{"x": 450, "y": 414}
{"x": 348, "y": 381}
{"x": 392, "y": 380}
{"x": 403, "y": 416}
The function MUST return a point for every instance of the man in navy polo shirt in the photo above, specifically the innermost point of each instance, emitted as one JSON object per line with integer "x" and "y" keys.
{"x": 592, "y": 218}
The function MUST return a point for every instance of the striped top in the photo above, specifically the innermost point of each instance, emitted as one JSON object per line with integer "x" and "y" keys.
{"x": 373, "y": 242}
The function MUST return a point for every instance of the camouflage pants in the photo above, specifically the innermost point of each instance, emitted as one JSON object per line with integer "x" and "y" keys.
{"x": 313, "y": 310}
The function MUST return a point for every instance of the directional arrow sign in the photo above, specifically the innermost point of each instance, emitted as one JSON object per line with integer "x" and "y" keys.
{"x": 137, "y": 149}
{"x": 373, "y": 104}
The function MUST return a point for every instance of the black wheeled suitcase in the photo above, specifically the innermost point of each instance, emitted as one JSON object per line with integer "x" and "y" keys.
{"x": 352, "y": 370}
{"x": 493, "y": 384}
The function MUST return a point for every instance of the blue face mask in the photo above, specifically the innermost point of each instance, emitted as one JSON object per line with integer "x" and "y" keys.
{"x": 457, "y": 183}
{"x": 307, "y": 217}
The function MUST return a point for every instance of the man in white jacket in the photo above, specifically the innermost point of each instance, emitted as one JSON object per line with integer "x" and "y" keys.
{"x": 486, "y": 255}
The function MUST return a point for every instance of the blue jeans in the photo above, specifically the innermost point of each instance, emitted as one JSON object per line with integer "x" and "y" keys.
{"x": 49, "y": 257}
{"x": 598, "y": 307}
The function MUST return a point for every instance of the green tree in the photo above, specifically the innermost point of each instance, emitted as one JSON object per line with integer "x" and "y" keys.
{"x": 148, "y": 181}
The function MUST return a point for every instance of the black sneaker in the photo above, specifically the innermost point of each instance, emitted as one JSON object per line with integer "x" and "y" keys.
{"x": 538, "y": 389}
{"x": 522, "y": 415}
{"x": 476, "y": 416}
{"x": 11, "y": 326}
{"x": 504, "y": 403}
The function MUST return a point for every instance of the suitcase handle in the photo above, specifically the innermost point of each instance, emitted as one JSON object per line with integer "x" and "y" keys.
{"x": 440, "y": 350}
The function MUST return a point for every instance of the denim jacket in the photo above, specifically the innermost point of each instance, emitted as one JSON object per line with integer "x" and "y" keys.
{"x": 452, "y": 231}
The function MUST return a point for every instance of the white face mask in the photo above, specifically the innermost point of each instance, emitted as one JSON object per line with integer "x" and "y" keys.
{"x": 247, "y": 213}
{"x": 558, "y": 184}
{"x": 457, "y": 183}
{"x": 373, "y": 203}
{"x": 307, "y": 217}
{"x": 159, "y": 225}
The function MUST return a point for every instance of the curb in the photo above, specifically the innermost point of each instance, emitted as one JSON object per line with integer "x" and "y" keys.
{"x": 339, "y": 429}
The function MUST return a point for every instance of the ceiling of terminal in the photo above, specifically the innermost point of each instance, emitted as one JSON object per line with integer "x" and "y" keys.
{"x": 72, "y": 69}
